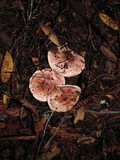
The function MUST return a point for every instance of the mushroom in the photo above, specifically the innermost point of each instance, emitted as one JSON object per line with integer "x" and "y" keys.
{"x": 63, "y": 97}
{"x": 42, "y": 82}
{"x": 66, "y": 62}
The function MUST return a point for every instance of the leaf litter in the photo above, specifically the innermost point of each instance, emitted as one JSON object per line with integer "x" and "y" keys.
{"x": 29, "y": 29}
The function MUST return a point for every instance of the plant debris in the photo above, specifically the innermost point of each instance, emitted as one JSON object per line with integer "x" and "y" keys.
{"x": 7, "y": 67}
{"x": 86, "y": 32}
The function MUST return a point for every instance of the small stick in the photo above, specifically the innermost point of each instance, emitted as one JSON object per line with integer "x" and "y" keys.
{"x": 11, "y": 138}
{"x": 22, "y": 10}
{"x": 103, "y": 112}
{"x": 31, "y": 7}
{"x": 43, "y": 135}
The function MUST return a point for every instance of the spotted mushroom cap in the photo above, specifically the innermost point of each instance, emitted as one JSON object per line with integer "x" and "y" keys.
{"x": 63, "y": 97}
{"x": 66, "y": 62}
{"x": 42, "y": 82}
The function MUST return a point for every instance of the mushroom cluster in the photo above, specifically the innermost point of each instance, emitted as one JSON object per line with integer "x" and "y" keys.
{"x": 49, "y": 84}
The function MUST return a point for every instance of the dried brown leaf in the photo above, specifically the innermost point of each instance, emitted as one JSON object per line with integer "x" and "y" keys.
{"x": 50, "y": 155}
{"x": 64, "y": 134}
{"x": 14, "y": 138}
{"x": 108, "y": 53}
{"x": 6, "y": 98}
{"x": 51, "y": 35}
{"x": 95, "y": 64}
{"x": 98, "y": 133}
{"x": 40, "y": 125}
{"x": 108, "y": 21}
{"x": 7, "y": 67}
{"x": 110, "y": 66}
{"x": 15, "y": 112}
{"x": 36, "y": 62}
{"x": 26, "y": 131}
{"x": 86, "y": 139}
{"x": 80, "y": 114}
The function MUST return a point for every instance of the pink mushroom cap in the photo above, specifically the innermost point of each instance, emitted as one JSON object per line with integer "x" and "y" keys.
{"x": 63, "y": 97}
{"x": 66, "y": 62}
{"x": 42, "y": 82}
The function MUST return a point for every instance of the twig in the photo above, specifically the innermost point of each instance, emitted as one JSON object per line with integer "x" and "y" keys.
{"x": 31, "y": 7}
{"x": 14, "y": 44}
{"x": 103, "y": 112}
{"x": 54, "y": 133}
{"x": 22, "y": 10}
{"x": 43, "y": 10}
{"x": 43, "y": 135}
{"x": 10, "y": 138}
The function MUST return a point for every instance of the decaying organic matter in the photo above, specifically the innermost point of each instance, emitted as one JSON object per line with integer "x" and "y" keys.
{"x": 30, "y": 31}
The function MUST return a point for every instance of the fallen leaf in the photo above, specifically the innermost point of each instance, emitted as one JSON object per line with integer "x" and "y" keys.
{"x": 110, "y": 66}
{"x": 108, "y": 21}
{"x": 50, "y": 155}
{"x": 83, "y": 53}
{"x": 15, "y": 112}
{"x": 80, "y": 114}
{"x": 51, "y": 35}
{"x": 102, "y": 87}
{"x": 64, "y": 134}
{"x": 7, "y": 67}
{"x": 98, "y": 133}
{"x": 36, "y": 62}
{"x": 111, "y": 97}
{"x": 108, "y": 53}
{"x": 86, "y": 139}
{"x": 26, "y": 131}
{"x": 6, "y": 98}
{"x": 40, "y": 125}
{"x": 95, "y": 64}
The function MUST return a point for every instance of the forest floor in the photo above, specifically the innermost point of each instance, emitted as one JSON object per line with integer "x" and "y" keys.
{"x": 29, "y": 130}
